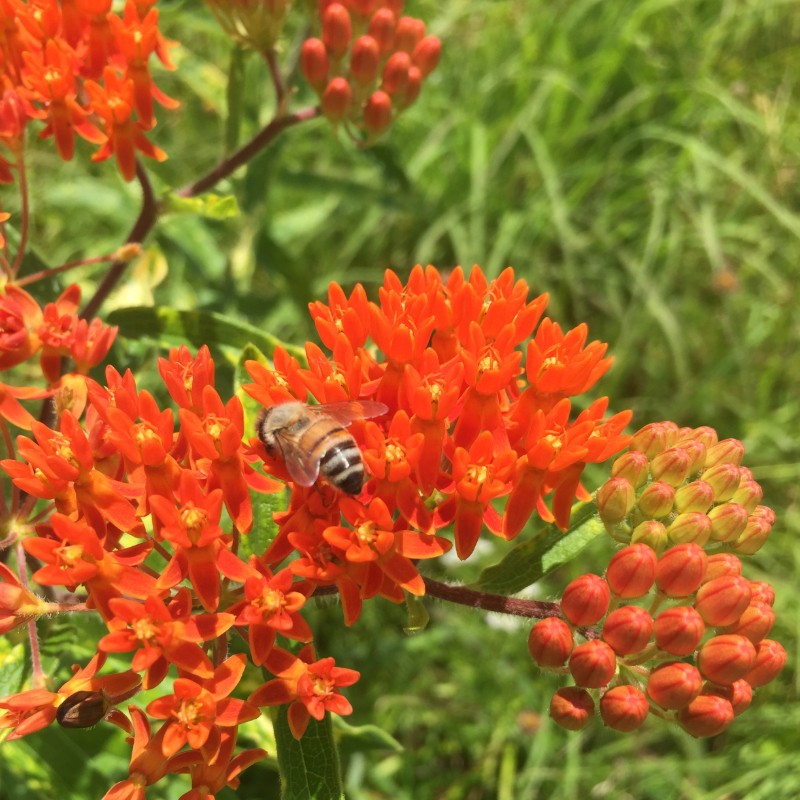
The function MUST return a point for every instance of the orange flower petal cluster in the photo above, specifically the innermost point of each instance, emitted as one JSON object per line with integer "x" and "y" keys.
{"x": 478, "y": 386}
{"x": 80, "y": 68}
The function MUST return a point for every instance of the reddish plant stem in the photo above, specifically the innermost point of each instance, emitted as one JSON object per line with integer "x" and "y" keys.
{"x": 499, "y": 603}
{"x": 150, "y": 211}
{"x": 144, "y": 223}
{"x": 247, "y": 151}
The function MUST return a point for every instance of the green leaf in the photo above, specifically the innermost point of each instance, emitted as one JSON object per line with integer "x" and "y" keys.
{"x": 173, "y": 326}
{"x": 359, "y": 738}
{"x": 210, "y": 206}
{"x": 310, "y": 767}
{"x": 234, "y": 95}
{"x": 532, "y": 560}
{"x": 264, "y": 529}
{"x": 14, "y": 666}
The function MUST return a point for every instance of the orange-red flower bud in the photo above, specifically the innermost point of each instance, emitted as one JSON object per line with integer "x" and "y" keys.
{"x": 408, "y": 33}
{"x": 722, "y": 564}
{"x": 726, "y": 658}
{"x": 749, "y": 494}
{"x": 691, "y": 527}
{"x": 674, "y": 685}
{"x": 678, "y": 630}
{"x": 378, "y": 113}
{"x": 656, "y": 500}
{"x": 738, "y": 694}
{"x": 413, "y": 86}
{"x": 769, "y": 661}
{"x": 382, "y": 27}
{"x": 762, "y": 592}
{"x": 572, "y": 708}
{"x": 632, "y": 571}
{"x": 723, "y": 479}
{"x": 652, "y": 439}
{"x": 633, "y": 465}
{"x": 426, "y": 55}
{"x": 651, "y": 533}
{"x": 755, "y": 623}
{"x": 672, "y": 466}
{"x": 722, "y": 601}
{"x": 728, "y": 451}
{"x": 695, "y": 496}
{"x": 728, "y": 521}
{"x": 337, "y": 29}
{"x": 756, "y": 532}
{"x": 550, "y": 642}
{"x": 585, "y": 600}
{"x": 337, "y": 99}
{"x": 628, "y": 629}
{"x": 365, "y": 59}
{"x": 615, "y": 499}
{"x": 624, "y": 708}
{"x": 706, "y": 715}
{"x": 593, "y": 664}
{"x": 395, "y": 73}
{"x": 680, "y": 570}
{"x": 314, "y": 63}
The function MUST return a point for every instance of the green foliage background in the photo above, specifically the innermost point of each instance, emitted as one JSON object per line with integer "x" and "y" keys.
{"x": 638, "y": 159}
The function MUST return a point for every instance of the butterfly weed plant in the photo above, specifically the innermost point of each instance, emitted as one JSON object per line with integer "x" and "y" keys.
{"x": 159, "y": 520}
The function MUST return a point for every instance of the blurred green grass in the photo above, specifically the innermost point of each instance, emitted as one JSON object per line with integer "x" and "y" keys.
{"x": 636, "y": 160}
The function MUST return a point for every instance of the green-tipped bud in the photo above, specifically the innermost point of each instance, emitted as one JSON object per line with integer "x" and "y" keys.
{"x": 652, "y": 533}
{"x": 695, "y": 496}
{"x": 656, "y": 500}
{"x": 728, "y": 451}
{"x": 691, "y": 527}
{"x": 672, "y": 466}
{"x": 615, "y": 499}
{"x": 749, "y": 494}
{"x": 724, "y": 479}
{"x": 633, "y": 465}
{"x": 759, "y": 525}
{"x": 728, "y": 522}
{"x": 654, "y": 438}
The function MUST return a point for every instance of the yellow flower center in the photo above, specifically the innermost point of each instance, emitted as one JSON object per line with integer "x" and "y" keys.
{"x": 144, "y": 629}
{"x": 270, "y": 602}
{"x": 395, "y": 453}
{"x": 70, "y": 554}
{"x": 189, "y": 713}
{"x": 478, "y": 474}
{"x": 193, "y": 520}
{"x": 366, "y": 533}
{"x": 145, "y": 433}
{"x": 488, "y": 362}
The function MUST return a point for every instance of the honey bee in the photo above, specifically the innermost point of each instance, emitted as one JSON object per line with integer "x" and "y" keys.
{"x": 312, "y": 440}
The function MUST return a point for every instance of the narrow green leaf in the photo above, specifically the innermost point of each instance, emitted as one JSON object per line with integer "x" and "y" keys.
{"x": 359, "y": 738}
{"x": 264, "y": 529}
{"x": 14, "y": 666}
{"x": 210, "y": 206}
{"x": 172, "y": 326}
{"x": 531, "y": 560}
{"x": 310, "y": 767}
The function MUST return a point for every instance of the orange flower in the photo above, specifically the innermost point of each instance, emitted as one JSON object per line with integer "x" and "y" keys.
{"x": 20, "y": 318}
{"x": 310, "y": 687}
{"x": 73, "y": 554}
{"x": 197, "y": 711}
{"x": 272, "y": 606}
{"x": 114, "y": 103}
{"x": 163, "y": 634}
{"x": 18, "y": 605}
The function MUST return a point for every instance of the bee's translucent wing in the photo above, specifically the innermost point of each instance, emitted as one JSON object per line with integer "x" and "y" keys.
{"x": 303, "y": 467}
{"x": 350, "y": 410}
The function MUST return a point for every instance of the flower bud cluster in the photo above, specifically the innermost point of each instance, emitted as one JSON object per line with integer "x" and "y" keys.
{"x": 368, "y": 63}
{"x": 681, "y": 636}
{"x": 683, "y": 485}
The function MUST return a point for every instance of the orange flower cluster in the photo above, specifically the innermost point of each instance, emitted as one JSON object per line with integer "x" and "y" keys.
{"x": 80, "y": 68}
{"x": 468, "y": 424}
{"x": 53, "y": 333}
{"x": 682, "y": 634}
{"x": 369, "y": 63}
